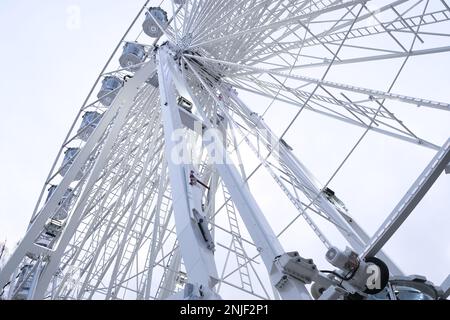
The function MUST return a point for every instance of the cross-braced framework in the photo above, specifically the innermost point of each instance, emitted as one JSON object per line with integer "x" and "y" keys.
{"x": 149, "y": 196}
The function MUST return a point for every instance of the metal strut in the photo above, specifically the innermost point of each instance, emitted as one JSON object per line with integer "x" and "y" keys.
{"x": 190, "y": 220}
{"x": 409, "y": 201}
{"x": 268, "y": 245}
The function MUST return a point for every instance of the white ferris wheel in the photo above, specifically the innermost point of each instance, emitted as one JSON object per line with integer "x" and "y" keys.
{"x": 152, "y": 194}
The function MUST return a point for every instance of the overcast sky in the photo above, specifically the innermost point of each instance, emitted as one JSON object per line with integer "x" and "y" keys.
{"x": 49, "y": 64}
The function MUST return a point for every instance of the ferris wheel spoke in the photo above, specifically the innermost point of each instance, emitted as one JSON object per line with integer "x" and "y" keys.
{"x": 356, "y": 110}
{"x": 364, "y": 57}
{"x": 236, "y": 48}
{"x": 167, "y": 284}
{"x": 130, "y": 223}
{"x": 157, "y": 244}
{"x": 261, "y": 54}
{"x": 236, "y": 247}
{"x": 207, "y": 17}
{"x": 294, "y": 198}
{"x": 355, "y": 239}
{"x": 114, "y": 203}
{"x": 142, "y": 240}
{"x": 331, "y": 35}
{"x": 289, "y": 175}
{"x": 296, "y": 201}
{"x": 252, "y": 17}
{"x": 118, "y": 225}
{"x": 404, "y": 136}
{"x": 391, "y": 87}
{"x": 212, "y": 24}
{"x": 323, "y": 44}
{"x": 303, "y": 8}
{"x": 374, "y": 94}
{"x": 96, "y": 225}
{"x": 280, "y": 24}
{"x": 139, "y": 242}
{"x": 201, "y": 10}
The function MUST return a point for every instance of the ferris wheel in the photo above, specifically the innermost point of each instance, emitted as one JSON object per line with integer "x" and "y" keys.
{"x": 151, "y": 195}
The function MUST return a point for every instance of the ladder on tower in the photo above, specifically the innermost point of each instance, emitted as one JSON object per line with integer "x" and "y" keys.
{"x": 236, "y": 244}
{"x": 163, "y": 217}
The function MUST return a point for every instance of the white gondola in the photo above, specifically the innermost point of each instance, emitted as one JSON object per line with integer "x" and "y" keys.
{"x": 90, "y": 121}
{"x": 133, "y": 54}
{"x": 63, "y": 204}
{"x": 24, "y": 280}
{"x": 109, "y": 90}
{"x": 151, "y": 28}
{"x": 54, "y": 226}
{"x": 69, "y": 157}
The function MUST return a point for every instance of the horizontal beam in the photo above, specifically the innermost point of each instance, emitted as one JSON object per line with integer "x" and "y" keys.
{"x": 408, "y": 203}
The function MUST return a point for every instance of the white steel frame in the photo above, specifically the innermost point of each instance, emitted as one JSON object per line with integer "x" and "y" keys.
{"x": 144, "y": 226}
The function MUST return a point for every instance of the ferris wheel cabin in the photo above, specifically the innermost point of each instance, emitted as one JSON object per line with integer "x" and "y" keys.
{"x": 64, "y": 203}
{"x": 69, "y": 157}
{"x": 156, "y": 18}
{"x": 90, "y": 121}
{"x": 109, "y": 90}
{"x": 133, "y": 54}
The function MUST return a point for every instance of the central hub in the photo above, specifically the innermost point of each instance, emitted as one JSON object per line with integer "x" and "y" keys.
{"x": 180, "y": 46}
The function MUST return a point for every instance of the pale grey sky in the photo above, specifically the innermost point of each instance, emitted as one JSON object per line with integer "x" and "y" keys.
{"x": 49, "y": 67}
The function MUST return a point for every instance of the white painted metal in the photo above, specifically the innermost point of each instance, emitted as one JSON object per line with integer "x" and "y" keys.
{"x": 197, "y": 256}
{"x": 140, "y": 225}
{"x": 262, "y": 234}
{"x": 445, "y": 286}
{"x": 411, "y": 199}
